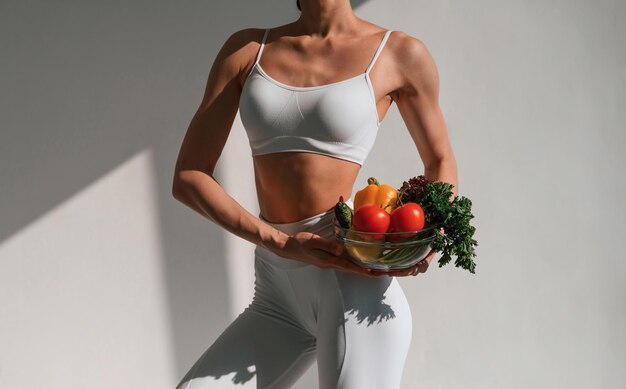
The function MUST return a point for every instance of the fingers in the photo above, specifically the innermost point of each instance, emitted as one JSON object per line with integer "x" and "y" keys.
{"x": 331, "y": 261}
{"x": 327, "y": 260}
{"x": 420, "y": 267}
{"x": 318, "y": 242}
{"x": 430, "y": 256}
{"x": 342, "y": 264}
{"x": 328, "y": 253}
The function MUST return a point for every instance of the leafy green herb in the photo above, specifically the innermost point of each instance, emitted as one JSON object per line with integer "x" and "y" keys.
{"x": 457, "y": 237}
{"x": 411, "y": 189}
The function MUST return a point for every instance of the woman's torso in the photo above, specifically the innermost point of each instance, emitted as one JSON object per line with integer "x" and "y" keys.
{"x": 293, "y": 185}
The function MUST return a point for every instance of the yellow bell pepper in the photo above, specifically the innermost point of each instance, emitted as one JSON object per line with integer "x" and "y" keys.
{"x": 382, "y": 195}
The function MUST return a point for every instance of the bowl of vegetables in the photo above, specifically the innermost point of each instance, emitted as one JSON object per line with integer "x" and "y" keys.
{"x": 386, "y": 251}
{"x": 390, "y": 229}
{"x": 381, "y": 234}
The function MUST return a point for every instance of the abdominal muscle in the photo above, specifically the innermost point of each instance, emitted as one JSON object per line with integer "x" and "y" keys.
{"x": 292, "y": 186}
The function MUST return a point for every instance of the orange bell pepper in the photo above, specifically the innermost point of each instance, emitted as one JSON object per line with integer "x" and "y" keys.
{"x": 382, "y": 195}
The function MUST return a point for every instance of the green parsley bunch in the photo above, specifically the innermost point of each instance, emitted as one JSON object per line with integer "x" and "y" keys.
{"x": 457, "y": 238}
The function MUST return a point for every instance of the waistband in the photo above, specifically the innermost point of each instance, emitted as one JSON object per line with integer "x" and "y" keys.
{"x": 320, "y": 224}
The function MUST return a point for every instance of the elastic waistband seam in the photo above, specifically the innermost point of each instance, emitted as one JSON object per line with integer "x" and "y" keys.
{"x": 299, "y": 222}
{"x": 302, "y": 222}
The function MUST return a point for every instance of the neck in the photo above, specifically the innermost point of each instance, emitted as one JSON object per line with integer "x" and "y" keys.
{"x": 326, "y": 17}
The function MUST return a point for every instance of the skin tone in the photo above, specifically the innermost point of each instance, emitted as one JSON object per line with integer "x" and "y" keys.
{"x": 328, "y": 43}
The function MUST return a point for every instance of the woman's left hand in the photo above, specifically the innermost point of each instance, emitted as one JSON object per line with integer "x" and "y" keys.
{"x": 414, "y": 270}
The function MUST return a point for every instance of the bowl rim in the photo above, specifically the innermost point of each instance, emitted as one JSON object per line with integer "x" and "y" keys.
{"x": 386, "y": 243}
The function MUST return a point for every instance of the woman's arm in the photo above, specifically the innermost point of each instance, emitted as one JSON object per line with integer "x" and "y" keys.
{"x": 193, "y": 182}
{"x": 418, "y": 104}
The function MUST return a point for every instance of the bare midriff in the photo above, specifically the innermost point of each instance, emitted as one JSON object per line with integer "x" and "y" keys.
{"x": 292, "y": 186}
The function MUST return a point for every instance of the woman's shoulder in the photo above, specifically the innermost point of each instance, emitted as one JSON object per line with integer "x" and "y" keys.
{"x": 407, "y": 50}
{"x": 399, "y": 43}
{"x": 240, "y": 39}
{"x": 240, "y": 46}
{"x": 405, "y": 43}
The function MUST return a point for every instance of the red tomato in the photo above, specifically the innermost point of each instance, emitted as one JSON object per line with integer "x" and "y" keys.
{"x": 371, "y": 218}
{"x": 407, "y": 217}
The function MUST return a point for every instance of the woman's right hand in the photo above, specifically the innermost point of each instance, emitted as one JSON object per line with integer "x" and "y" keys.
{"x": 319, "y": 251}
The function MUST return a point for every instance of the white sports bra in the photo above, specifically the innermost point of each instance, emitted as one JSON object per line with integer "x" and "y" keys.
{"x": 338, "y": 119}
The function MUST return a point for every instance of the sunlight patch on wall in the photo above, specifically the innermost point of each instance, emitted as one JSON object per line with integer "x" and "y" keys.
{"x": 237, "y": 176}
{"x": 82, "y": 296}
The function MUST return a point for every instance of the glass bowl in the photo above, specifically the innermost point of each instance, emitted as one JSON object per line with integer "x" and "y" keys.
{"x": 385, "y": 251}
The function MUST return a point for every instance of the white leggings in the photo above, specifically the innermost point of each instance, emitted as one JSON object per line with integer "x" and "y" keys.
{"x": 357, "y": 328}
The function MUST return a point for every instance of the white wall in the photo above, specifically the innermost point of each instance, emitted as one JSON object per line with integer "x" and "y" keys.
{"x": 107, "y": 281}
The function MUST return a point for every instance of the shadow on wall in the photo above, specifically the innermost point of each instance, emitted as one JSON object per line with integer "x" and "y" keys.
{"x": 106, "y": 83}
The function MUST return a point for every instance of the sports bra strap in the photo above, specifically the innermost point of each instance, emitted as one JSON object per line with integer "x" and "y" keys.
{"x": 258, "y": 55}
{"x": 378, "y": 50}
